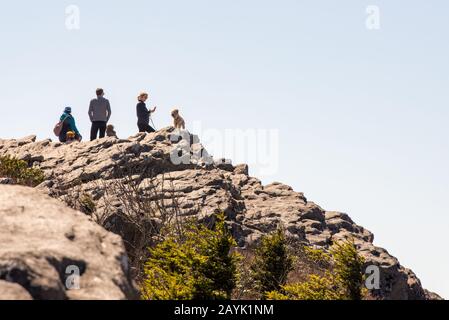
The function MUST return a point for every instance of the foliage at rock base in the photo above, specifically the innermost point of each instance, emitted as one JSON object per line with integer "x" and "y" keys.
{"x": 348, "y": 270}
{"x": 19, "y": 172}
{"x": 195, "y": 263}
{"x": 343, "y": 281}
{"x": 316, "y": 288}
{"x": 272, "y": 263}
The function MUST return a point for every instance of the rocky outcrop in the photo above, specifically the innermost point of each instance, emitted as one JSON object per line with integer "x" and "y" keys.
{"x": 13, "y": 291}
{"x": 46, "y": 245}
{"x": 183, "y": 168}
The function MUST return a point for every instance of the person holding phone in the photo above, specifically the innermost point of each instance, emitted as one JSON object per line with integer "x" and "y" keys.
{"x": 143, "y": 114}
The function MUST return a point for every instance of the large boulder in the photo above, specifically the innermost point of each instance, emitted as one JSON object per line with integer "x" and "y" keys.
{"x": 44, "y": 245}
{"x": 201, "y": 187}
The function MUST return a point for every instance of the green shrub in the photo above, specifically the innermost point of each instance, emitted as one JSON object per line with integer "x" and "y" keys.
{"x": 317, "y": 256}
{"x": 272, "y": 263}
{"x": 20, "y": 172}
{"x": 220, "y": 265}
{"x": 348, "y": 270}
{"x": 343, "y": 281}
{"x": 316, "y": 288}
{"x": 194, "y": 264}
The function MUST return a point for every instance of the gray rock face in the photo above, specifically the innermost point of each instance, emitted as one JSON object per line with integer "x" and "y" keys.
{"x": 254, "y": 209}
{"x": 45, "y": 244}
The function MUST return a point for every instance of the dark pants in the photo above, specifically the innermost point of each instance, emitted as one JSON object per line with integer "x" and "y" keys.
{"x": 97, "y": 126}
{"x": 145, "y": 127}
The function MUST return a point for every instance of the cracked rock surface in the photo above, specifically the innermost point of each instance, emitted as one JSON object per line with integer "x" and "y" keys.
{"x": 203, "y": 188}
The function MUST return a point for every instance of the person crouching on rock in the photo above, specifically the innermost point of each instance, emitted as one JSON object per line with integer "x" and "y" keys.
{"x": 143, "y": 114}
{"x": 68, "y": 125}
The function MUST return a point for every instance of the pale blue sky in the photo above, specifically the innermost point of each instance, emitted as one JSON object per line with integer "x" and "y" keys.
{"x": 362, "y": 115}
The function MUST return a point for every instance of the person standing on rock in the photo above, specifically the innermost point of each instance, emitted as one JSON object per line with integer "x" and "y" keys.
{"x": 143, "y": 114}
{"x": 99, "y": 114}
{"x": 68, "y": 125}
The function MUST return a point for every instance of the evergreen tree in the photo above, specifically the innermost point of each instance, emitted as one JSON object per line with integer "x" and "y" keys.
{"x": 272, "y": 263}
{"x": 196, "y": 264}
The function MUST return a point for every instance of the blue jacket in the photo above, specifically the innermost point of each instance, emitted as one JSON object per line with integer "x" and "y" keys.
{"x": 70, "y": 121}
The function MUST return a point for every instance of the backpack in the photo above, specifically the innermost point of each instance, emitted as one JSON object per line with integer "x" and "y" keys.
{"x": 58, "y": 127}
